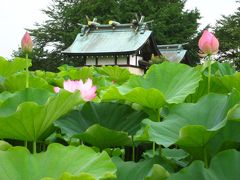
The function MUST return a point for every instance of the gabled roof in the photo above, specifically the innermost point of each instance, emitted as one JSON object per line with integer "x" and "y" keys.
{"x": 123, "y": 39}
{"x": 173, "y": 52}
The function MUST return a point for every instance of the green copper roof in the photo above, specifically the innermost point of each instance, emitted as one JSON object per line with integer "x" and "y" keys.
{"x": 173, "y": 52}
{"x": 106, "y": 41}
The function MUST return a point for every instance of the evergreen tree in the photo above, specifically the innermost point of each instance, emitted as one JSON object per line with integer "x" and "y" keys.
{"x": 172, "y": 24}
{"x": 227, "y": 30}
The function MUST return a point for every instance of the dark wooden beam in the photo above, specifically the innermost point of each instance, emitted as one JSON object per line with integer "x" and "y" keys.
{"x": 115, "y": 60}
{"x": 96, "y": 60}
{"x": 128, "y": 60}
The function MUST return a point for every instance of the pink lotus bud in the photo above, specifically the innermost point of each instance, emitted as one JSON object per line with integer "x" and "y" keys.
{"x": 208, "y": 43}
{"x": 56, "y": 89}
{"x": 26, "y": 43}
{"x": 87, "y": 90}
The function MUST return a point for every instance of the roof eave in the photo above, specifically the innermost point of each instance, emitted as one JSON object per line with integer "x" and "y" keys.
{"x": 99, "y": 53}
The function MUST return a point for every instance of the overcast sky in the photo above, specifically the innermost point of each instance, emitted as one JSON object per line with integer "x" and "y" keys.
{"x": 15, "y": 15}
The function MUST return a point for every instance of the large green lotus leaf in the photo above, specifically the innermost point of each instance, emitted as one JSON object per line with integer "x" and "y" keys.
{"x": 69, "y": 72}
{"x": 103, "y": 138}
{"x": 229, "y": 136}
{"x": 190, "y": 125}
{"x": 231, "y": 81}
{"x": 217, "y": 69}
{"x": 216, "y": 87}
{"x": 147, "y": 169}
{"x": 82, "y": 176}
{"x": 17, "y": 82}
{"x": 57, "y": 162}
{"x": 115, "y": 73}
{"x": 10, "y": 67}
{"x": 111, "y": 119}
{"x": 174, "y": 82}
{"x": 222, "y": 69}
{"x": 225, "y": 165}
{"x": 5, "y": 95}
{"x": 52, "y": 78}
{"x": 4, "y": 145}
{"x": 29, "y": 114}
{"x": 151, "y": 98}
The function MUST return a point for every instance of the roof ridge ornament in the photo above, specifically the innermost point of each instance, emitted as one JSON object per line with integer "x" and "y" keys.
{"x": 140, "y": 25}
{"x": 136, "y": 25}
{"x": 92, "y": 23}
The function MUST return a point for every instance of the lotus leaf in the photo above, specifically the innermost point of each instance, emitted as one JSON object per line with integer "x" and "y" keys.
{"x": 189, "y": 125}
{"x": 147, "y": 169}
{"x": 173, "y": 83}
{"x": 115, "y": 73}
{"x": 11, "y": 67}
{"x": 17, "y": 82}
{"x": 29, "y": 114}
{"x": 225, "y": 165}
{"x": 58, "y": 162}
{"x": 103, "y": 124}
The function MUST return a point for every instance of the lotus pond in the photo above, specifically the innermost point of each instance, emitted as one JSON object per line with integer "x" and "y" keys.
{"x": 167, "y": 124}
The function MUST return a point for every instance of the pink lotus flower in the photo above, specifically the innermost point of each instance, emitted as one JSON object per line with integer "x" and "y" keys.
{"x": 87, "y": 90}
{"x": 208, "y": 43}
{"x": 26, "y": 43}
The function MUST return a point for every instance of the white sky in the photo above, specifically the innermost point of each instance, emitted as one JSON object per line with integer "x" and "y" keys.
{"x": 15, "y": 15}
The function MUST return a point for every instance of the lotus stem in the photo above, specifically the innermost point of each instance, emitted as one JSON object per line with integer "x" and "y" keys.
{"x": 133, "y": 150}
{"x": 160, "y": 150}
{"x": 123, "y": 154}
{"x": 27, "y": 72}
{"x": 205, "y": 157}
{"x": 34, "y": 147}
{"x": 209, "y": 73}
{"x": 25, "y": 144}
{"x": 154, "y": 149}
{"x": 158, "y": 115}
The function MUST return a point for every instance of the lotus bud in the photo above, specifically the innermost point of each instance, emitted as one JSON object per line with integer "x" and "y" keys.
{"x": 26, "y": 43}
{"x": 208, "y": 43}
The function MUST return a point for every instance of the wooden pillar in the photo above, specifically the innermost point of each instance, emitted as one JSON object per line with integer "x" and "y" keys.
{"x": 128, "y": 60}
{"x": 85, "y": 60}
{"x": 96, "y": 60}
{"x": 115, "y": 60}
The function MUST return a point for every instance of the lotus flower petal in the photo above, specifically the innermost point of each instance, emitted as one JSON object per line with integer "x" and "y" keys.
{"x": 26, "y": 43}
{"x": 208, "y": 43}
{"x": 87, "y": 90}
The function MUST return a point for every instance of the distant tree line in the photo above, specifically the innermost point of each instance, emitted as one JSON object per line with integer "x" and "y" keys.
{"x": 172, "y": 24}
{"x": 227, "y": 30}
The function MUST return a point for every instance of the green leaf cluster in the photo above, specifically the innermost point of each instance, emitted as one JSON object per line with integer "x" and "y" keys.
{"x": 163, "y": 125}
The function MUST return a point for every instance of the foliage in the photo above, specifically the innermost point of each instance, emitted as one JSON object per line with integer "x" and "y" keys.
{"x": 103, "y": 128}
{"x": 227, "y": 29}
{"x": 82, "y": 163}
{"x": 218, "y": 170}
{"x": 163, "y": 125}
{"x": 172, "y": 24}
{"x": 145, "y": 169}
{"x": 32, "y": 112}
